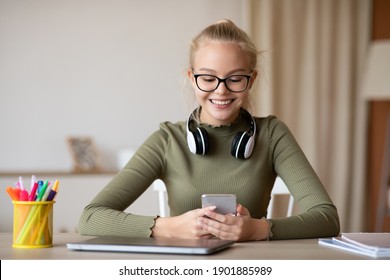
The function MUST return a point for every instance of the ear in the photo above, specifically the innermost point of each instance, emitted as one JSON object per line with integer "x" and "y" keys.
{"x": 191, "y": 77}
{"x": 253, "y": 78}
{"x": 189, "y": 73}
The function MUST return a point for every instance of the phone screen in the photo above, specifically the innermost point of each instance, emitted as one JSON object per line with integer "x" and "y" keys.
{"x": 225, "y": 203}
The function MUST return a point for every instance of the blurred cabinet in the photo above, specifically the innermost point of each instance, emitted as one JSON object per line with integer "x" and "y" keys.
{"x": 378, "y": 116}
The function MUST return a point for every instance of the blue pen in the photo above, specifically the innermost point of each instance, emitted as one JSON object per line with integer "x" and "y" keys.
{"x": 40, "y": 184}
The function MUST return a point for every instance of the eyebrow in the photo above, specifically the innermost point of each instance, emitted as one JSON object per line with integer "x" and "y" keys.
{"x": 228, "y": 74}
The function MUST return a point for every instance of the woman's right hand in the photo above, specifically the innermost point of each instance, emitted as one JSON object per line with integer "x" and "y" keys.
{"x": 185, "y": 226}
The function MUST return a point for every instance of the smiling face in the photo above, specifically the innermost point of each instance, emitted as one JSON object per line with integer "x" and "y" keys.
{"x": 221, "y": 106}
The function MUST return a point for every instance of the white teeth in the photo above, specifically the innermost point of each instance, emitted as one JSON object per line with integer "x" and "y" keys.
{"x": 221, "y": 102}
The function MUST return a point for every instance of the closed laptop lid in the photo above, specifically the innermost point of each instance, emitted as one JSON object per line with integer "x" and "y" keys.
{"x": 151, "y": 245}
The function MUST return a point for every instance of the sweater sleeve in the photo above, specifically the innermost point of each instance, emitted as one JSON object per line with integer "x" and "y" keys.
{"x": 105, "y": 214}
{"x": 318, "y": 215}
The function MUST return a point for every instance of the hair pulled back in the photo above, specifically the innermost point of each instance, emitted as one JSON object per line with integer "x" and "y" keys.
{"x": 224, "y": 31}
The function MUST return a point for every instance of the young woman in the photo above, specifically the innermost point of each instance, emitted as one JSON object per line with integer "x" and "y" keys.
{"x": 220, "y": 148}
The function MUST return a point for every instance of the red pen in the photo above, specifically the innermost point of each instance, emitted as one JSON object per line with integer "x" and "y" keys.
{"x": 33, "y": 192}
{"x": 23, "y": 195}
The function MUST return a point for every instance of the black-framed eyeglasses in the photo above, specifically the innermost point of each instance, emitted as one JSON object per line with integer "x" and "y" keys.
{"x": 234, "y": 83}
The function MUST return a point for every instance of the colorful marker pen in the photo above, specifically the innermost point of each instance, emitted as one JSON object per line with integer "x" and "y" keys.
{"x": 40, "y": 184}
{"x": 53, "y": 191}
{"x": 33, "y": 192}
{"x": 23, "y": 195}
{"x": 46, "y": 194}
{"x": 33, "y": 181}
{"x": 42, "y": 191}
{"x": 21, "y": 185}
{"x": 16, "y": 192}
{"x": 11, "y": 193}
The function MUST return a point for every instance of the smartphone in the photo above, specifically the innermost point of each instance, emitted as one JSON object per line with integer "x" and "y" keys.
{"x": 225, "y": 203}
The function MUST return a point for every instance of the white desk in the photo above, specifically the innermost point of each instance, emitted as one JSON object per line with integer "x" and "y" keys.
{"x": 300, "y": 249}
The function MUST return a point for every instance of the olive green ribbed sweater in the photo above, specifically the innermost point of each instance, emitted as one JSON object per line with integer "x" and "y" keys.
{"x": 165, "y": 155}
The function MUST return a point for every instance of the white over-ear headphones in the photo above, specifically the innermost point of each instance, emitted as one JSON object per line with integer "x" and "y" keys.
{"x": 242, "y": 144}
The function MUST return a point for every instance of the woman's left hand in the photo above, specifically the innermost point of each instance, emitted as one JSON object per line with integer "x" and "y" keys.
{"x": 238, "y": 228}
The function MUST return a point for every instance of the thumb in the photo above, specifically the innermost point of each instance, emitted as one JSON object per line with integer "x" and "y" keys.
{"x": 242, "y": 211}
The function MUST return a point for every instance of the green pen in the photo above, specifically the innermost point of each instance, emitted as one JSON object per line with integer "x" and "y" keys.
{"x": 42, "y": 190}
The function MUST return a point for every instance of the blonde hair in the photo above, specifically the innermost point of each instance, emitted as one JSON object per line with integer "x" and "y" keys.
{"x": 224, "y": 31}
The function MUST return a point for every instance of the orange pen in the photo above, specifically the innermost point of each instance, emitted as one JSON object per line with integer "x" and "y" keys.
{"x": 11, "y": 192}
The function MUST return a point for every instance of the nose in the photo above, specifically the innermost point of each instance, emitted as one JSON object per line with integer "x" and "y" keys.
{"x": 221, "y": 89}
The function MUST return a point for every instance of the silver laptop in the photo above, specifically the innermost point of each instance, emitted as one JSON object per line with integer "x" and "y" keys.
{"x": 151, "y": 245}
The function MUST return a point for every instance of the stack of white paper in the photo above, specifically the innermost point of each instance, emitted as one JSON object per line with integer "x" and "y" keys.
{"x": 372, "y": 244}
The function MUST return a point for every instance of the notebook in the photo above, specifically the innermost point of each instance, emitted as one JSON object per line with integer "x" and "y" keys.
{"x": 151, "y": 245}
{"x": 372, "y": 244}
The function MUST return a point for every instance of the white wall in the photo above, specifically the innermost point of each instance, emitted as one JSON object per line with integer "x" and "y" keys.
{"x": 107, "y": 69}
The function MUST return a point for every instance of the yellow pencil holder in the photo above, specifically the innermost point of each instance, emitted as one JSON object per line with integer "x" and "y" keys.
{"x": 33, "y": 224}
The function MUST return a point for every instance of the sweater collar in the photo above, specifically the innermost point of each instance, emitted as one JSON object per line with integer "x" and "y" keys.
{"x": 240, "y": 124}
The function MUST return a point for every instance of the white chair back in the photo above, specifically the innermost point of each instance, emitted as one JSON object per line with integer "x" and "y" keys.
{"x": 280, "y": 188}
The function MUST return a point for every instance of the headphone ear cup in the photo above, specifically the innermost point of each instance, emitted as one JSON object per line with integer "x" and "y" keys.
{"x": 191, "y": 142}
{"x": 203, "y": 140}
{"x": 198, "y": 141}
{"x": 240, "y": 149}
